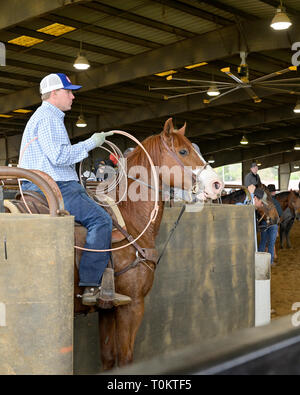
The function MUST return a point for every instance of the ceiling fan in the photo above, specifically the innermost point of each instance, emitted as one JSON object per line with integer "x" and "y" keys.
{"x": 241, "y": 81}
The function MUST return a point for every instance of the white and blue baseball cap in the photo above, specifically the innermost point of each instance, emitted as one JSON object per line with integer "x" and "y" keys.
{"x": 57, "y": 81}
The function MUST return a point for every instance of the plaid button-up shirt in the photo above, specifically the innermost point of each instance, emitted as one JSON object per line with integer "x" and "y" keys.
{"x": 46, "y": 145}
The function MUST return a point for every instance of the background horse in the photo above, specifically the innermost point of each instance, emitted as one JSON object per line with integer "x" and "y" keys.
{"x": 169, "y": 150}
{"x": 269, "y": 213}
{"x": 290, "y": 204}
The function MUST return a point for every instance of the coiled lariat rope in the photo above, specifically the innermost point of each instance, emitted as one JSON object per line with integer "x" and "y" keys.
{"x": 115, "y": 152}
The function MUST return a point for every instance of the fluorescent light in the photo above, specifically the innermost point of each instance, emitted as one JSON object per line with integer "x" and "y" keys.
{"x": 56, "y": 29}
{"x": 81, "y": 62}
{"x": 213, "y": 90}
{"x": 25, "y": 41}
{"x": 164, "y": 73}
{"x": 280, "y": 21}
{"x": 192, "y": 66}
{"x": 22, "y": 111}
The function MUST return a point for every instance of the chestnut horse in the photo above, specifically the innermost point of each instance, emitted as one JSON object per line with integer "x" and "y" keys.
{"x": 169, "y": 149}
{"x": 179, "y": 166}
{"x": 290, "y": 204}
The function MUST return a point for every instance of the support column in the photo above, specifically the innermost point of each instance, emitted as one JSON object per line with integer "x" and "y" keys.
{"x": 284, "y": 173}
{"x": 245, "y": 169}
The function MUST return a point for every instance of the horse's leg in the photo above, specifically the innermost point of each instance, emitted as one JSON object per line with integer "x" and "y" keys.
{"x": 281, "y": 234}
{"x": 288, "y": 230}
{"x": 128, "y": 320}
{"x": 107, "y": 336}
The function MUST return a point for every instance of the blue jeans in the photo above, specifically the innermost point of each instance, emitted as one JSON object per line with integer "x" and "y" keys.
{"x": 99, "y": 227}
{"x": 268, "y": 238}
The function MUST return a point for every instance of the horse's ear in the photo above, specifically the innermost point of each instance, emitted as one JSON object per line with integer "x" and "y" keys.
{"x": 168, "y": 127}
{"x": 182, "y": 130}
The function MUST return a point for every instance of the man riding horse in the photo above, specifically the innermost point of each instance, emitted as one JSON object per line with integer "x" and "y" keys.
{"x": 46, "y": 147}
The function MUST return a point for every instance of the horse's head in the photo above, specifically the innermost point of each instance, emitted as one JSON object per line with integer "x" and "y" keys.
{"x": 268, "y": 211}
{"x": 192, "y": 172}
{"x": 294, "y": 201}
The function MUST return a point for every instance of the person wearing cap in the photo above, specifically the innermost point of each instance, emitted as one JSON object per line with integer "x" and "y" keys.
{"x": 258, "y": 197}
{"x": 269, "y": 234}
{"x": 46, "y": 146}
{"x": 106, "y": 168}
{"x": 252, "y": 178}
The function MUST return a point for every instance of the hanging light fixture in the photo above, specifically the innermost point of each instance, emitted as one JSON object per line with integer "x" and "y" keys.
{"x": 213, "y": 90}
{"x": 211, "y": 159}
{"x": 81, "y": 122}
{"x": 297, "y": 107}
{"x": 280, "y": 21}
{"x": 244, "y": 141}
{"x": 297, "y": 146}
{"x": 81, "y": 62}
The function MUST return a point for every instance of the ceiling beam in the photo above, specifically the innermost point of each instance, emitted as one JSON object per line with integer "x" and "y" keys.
{"x": 19, "y": 31}
{"x": 253, "y": 138}
{"x": 17, "y": 11}
{"x": 101, "y": 31}
{"x": 195, "y": 11}
{"x": 131, "y": 16}
{"x": 279, "y": 159}
{"x": 275, "y": 4}
{"x": 206, "y": 47}
{"x": 246, "y": 154}
{"x": 232, "y": 10}
{"x": 264, "y": 116}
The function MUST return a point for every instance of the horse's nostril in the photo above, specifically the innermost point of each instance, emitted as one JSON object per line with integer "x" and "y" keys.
{"x": 217, "y": 185}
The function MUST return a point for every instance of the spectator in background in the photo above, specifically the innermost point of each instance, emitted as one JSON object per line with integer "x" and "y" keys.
{"x": 252, "y": 178}
{"x": 106, "y": 168}
{"x": 269, "y": 235}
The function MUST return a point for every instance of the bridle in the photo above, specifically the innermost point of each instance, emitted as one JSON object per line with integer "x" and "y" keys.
{"x": 173, "y": 154}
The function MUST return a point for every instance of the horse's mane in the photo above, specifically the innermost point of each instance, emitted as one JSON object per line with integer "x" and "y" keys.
{"x": 153, "y": 145}
{"x": 284, "y": 194}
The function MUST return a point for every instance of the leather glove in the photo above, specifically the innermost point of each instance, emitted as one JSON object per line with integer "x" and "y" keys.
{"x": 99, "y": 138}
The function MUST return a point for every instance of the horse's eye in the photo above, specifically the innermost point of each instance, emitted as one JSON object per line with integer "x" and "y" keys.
{"x": 183, "y": 152}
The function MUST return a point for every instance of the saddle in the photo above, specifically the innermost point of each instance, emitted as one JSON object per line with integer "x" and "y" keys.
{"x": 37, "y": 204}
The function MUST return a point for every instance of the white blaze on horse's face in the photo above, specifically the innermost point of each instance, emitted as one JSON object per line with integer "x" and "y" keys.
{"x": 210, "y": 184}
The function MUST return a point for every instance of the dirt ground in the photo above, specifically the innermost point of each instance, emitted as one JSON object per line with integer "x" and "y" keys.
{"x": 285, "y": 276}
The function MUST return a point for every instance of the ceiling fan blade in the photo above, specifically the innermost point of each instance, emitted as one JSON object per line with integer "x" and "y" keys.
{"x": 207, "y": 101}
{"x": 227, "y": 71}
{"x": 276, "y": 73}
{"x": 170, "y": 77}
{"x": 281, "y": 80}
{"x": 186, "y": 87}
{"x": 183, "y": 94}
{"x": 280, "y": 90}
{"x": 253, "y": 95}
{"x": 280, "y": 84}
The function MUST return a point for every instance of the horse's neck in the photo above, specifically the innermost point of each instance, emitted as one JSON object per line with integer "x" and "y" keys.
{"x": 137, "y": 215}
